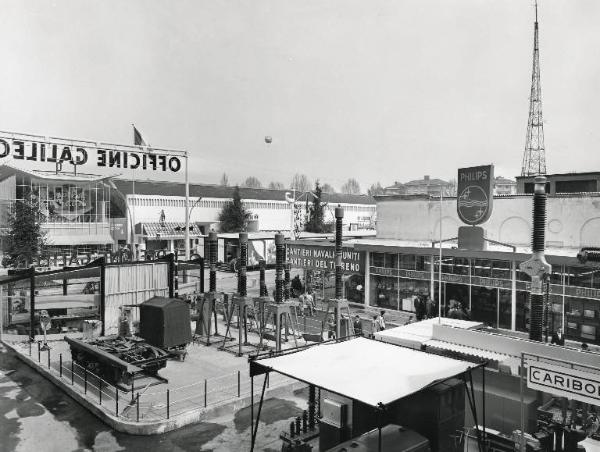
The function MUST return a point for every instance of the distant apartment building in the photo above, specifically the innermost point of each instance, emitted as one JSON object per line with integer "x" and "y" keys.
{"x": 425, "y": 186}
{"x": 504, "y": 186}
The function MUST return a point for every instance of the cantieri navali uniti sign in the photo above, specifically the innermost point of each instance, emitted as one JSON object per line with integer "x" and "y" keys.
{"x": 17, "y": 147}
{"x": 562, "y": 381}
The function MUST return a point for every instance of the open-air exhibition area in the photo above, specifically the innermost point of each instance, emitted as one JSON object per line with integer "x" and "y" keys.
{"x": 300, "y": 226}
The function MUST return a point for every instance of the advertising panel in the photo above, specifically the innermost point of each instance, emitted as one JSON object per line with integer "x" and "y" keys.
{"x": 314, "y": 257}
{"x": 565, "y": 382}
{"x": 23, "y": 147}
{"x": 475, "y": 194}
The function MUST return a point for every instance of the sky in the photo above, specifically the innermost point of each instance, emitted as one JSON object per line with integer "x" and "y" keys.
{"x": 377, "y": 90}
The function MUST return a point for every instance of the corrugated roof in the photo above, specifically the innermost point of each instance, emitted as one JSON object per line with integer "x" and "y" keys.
{"x": 163, "y": 188}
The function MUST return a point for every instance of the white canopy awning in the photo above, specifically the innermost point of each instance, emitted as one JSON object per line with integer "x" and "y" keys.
{"x": 366, "y": 370}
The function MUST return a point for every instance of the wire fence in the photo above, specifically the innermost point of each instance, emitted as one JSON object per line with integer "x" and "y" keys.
{"x": 148, "y": 403}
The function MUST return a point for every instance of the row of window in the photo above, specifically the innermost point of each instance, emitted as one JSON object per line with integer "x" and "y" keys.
{"x": 588, "y": 277}
{"x": 218, "y": 204}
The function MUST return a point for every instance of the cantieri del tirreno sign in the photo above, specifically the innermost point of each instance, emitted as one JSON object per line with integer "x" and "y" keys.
{"x": 566, "y": 382}
{"x": 33, "y": 148}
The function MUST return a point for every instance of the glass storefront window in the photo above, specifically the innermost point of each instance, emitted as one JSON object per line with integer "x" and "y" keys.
{"x": 481, "y": 267}
{"x": 407, "y": 261}
{"x": 500, "y": 269}
{"x": 384, "y": 292}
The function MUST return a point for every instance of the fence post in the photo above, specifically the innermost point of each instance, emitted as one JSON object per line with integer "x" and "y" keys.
{"x": 205, "y": 390}
{"x": 72, "y": 373}
{"x": 238, "y": 384}
{"x": 48, "y": 359}
{"x": 132, "y": 395}
{"x": 39, "y": 352}
{"x": 100, "y": 390}
{"x": 85, "y": 380}
{"x": 116, "y": 401}
{"x": 168, "y": 403}
{"x": 60, "y": 364}
{"x": 137, "y": 404}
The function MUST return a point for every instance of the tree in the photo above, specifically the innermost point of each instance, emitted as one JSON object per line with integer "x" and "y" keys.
{"x": 450, "y": 190}
{"x": 26, "y": 237}
{"x": 375, "y": 189}
{"x": 351, "y": 187}
{"x": 300, "y": 183}
{"x": 327, "y": 188}
{"x": 233, "y": 216}
{"x": 316, "y": 213}
{"x": 252, "y": 182}
{"x": 276, "y": 186}
{"x": 224, "y": 180}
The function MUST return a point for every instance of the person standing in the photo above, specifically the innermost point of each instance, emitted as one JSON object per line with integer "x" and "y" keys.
{"x": 374, "y": 325}
{"x": 357, "y": 324}
{"x": 381, "y": 321}
{"x": 558, "y": 337}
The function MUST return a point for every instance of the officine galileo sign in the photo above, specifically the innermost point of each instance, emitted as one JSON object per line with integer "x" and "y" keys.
{"x": 475, "y": 194}
{"x": 52, "y": 152}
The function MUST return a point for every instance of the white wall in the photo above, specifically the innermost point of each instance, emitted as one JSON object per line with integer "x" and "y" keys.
{"x": 272, "y": 215}
{"x": 573, "y": 221}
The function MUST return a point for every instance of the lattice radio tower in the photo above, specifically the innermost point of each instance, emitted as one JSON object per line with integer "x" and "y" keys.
{"x": 534, "y": 158}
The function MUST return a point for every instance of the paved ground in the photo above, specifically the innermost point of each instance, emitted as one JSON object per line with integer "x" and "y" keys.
{"x": 34, "y": 415}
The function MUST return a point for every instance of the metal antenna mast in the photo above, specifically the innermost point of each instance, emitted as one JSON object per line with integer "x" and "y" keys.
{"x": 534, "y": 158}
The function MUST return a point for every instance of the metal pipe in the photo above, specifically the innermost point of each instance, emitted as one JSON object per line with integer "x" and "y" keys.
{"x": 187, "y": 208}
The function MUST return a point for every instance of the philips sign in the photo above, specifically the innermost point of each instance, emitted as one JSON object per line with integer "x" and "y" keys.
{"x": 475, "y": 194}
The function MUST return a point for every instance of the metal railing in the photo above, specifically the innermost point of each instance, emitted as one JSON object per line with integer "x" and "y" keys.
{"x": 144, "y": 405}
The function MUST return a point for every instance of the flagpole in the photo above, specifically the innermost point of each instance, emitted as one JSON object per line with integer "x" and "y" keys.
{"x": 187, "y": 209}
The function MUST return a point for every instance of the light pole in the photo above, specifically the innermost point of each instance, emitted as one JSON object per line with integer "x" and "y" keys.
{"x": 440, "y": 262}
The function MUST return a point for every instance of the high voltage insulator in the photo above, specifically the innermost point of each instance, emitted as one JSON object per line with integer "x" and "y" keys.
{"x": 279, "y": 262}
{"x": 263, "y": 285}
{"x": 212, "y": 259}
{"x": 243, "y": 262}
{"x": 339, "y": 216}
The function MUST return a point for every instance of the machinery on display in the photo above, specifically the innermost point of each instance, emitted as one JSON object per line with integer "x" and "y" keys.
{"x": 118, "y": 360}
{"x": 164, "y": 333}
{"x": 338, "y": 306}
{"x": 208, "y": 304}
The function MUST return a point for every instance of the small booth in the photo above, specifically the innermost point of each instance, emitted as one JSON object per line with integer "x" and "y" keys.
{"x": 370, "y": 388}
{"x": 165, "y": 322}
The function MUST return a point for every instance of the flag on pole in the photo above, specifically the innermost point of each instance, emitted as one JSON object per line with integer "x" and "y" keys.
{"x": 137, "y": 137}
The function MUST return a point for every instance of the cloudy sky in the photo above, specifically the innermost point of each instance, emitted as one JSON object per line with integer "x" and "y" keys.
{"x": 379, "y": 90}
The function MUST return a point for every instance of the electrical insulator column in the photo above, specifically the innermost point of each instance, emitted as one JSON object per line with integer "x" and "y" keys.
{"x": 263, "y": 285}
{"x": 279, "y": 264}
{"x": 339, "y": 216}
{"x": 243, "y": 263}
{"x": 537, "y": 267}
{"x": 212, "y": 260}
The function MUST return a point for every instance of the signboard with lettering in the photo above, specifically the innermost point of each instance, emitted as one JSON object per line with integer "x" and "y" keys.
{"x": 475, "y": 194}
{"x": 565, "y": 382}
{"x": 23, "y": 147}
{"x": 314, "y": 257}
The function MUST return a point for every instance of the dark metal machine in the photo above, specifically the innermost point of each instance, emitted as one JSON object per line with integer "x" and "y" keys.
{"x": 118, "y": 360}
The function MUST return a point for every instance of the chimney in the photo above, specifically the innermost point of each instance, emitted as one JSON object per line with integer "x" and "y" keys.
{"x": 426, "y": 178}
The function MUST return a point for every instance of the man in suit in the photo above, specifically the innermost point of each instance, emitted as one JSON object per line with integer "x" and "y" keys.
{"x": 558, "y": 337}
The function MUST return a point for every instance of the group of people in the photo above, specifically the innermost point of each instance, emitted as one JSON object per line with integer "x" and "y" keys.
{"x": 377, "y": 323}
{"x": 424, "y": 307}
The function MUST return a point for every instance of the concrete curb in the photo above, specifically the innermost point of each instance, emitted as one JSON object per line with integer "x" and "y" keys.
{"x": 154, "y": 427}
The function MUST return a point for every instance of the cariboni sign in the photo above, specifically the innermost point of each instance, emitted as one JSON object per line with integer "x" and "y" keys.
{"x": 565, "y": 382}
{"x": 475, "y": 194}
{"x": 34, "y": 148}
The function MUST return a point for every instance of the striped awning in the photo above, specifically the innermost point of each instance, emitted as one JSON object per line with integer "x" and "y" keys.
{"x": 169, "y": 230}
